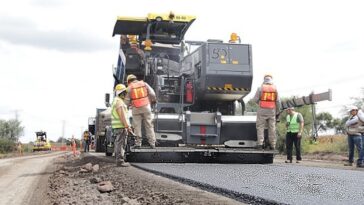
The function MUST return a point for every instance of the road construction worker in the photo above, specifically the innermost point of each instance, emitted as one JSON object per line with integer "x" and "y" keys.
{"x": 120, "y": 124}
{"x": 86, "y": 140}
{"x": 294, "y": 127}
{"x": 140, "y": 96}
{"x": 269, "y": 105}
{"x": 361, "y": 123}
{"x": 73, "y": 145}
{"x": 354, "y": 136}
{"x": 19, "y": 148}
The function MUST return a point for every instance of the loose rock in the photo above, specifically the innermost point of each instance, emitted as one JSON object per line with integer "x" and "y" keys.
{"x": 95, "y": 168}
{"x": 105, "y": 186}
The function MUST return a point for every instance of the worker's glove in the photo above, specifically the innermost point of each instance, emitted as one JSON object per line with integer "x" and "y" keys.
{"x": 299, "y": 135}
{"x": 277, "y": 118}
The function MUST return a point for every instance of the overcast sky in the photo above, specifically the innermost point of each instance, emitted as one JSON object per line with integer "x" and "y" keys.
{"x": 56, "y": 56}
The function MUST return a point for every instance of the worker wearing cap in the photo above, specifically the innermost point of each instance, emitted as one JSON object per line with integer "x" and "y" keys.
{"x": 139, "y": 96}
{"x": 294, "y": 127}
{"x": 361, "y": 122}
{"x": 119, "y": 123}
{"x": 86, "y": 140}
{"x": 354, "y": 136}
{"x": 269, "y": 105}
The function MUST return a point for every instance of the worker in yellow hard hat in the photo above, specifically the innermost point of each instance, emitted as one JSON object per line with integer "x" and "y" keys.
{"x": 269, "y": 105}
{"x": 120, "y": 124}
{"x": 140, "y": 96}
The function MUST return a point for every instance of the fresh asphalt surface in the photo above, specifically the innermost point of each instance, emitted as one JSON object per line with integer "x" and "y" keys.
{"x": 280, "y": 183}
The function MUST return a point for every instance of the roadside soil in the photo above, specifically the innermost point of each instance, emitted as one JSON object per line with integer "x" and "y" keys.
{"x": 324, "y": 160}
{"x": 131, "y": 185}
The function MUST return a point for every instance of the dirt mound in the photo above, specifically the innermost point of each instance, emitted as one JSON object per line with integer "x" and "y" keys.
{"x": 130, "y": 186}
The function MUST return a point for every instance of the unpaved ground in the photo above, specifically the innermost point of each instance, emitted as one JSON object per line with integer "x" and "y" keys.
{"x": 328, "y": 160}
{"x": 132, "y": 186}
{"x": 20, "y": 177}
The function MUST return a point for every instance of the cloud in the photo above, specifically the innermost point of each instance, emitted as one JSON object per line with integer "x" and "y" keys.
{"x": 24, "y": 32}
{"x": 347, "y": 46}
{"x": 47, "y": 3}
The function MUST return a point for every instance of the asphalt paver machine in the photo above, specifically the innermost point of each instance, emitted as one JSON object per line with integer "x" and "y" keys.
{"x": 198, "y": 86}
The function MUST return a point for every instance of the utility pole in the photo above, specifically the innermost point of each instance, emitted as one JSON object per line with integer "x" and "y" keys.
{"x": 16, "y": 114}
{"x": 314, "y": 124}
{"x": 63, "y": 130}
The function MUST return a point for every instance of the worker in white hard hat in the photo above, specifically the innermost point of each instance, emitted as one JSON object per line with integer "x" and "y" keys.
{"x": 120, "y": 124}
{"x": 140, "y": 96}
{"x": 354, "y": 136}
{"x": 294, "y": 127}
{"x": 269, "y": 105}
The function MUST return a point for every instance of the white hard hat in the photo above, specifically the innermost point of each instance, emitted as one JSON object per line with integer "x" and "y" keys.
{"x": 353, "y": 107}
{"x": 268, "y": 80}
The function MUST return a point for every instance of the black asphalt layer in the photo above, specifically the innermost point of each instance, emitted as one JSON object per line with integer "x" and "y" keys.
{"x": 270, "y": 184}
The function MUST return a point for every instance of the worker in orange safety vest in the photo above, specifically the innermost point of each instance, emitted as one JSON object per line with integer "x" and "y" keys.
{"x": 140, "y": 96}
{"x": 269, "y": 105}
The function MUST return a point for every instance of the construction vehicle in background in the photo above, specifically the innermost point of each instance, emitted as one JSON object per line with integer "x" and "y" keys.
{"x": 198, "y": 85}
{"x": 97, "y": 127}
{"x": 41, "y": 143}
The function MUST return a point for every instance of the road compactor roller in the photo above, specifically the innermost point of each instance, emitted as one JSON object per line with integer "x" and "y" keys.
{"x": 41, "y": 142}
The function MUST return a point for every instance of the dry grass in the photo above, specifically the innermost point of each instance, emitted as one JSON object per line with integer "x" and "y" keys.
{"x": 326, "y": 144}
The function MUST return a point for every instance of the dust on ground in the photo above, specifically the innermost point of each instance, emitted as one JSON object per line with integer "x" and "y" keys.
{"x": 131, "y": 186}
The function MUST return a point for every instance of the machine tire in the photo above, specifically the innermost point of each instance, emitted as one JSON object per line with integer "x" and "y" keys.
{"x": 108, "y": 154}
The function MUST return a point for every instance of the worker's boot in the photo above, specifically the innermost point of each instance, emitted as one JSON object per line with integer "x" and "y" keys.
{"x": 137, "y": 146}
{"x": 288, "y": 161}
{"x": 349, "y": 164}
{"x": 259, "y": 147}
{"x": 122, "y": 163}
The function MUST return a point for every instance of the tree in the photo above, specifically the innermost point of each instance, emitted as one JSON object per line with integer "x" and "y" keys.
{"x": 11, "y": 129}
{"x": 324, "y": 121}
{"x": 251, "y": 106}
{"x": 339, "y": 125}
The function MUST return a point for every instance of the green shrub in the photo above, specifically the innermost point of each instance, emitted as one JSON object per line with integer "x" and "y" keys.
{"x": 6, "y": 145}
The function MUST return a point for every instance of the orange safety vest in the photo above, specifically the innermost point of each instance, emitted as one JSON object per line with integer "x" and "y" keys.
{"x": 139, "y": 94}
{"x": 268, "y": 96}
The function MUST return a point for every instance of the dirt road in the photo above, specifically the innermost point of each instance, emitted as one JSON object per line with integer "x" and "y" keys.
{"x": 23, "y": 180}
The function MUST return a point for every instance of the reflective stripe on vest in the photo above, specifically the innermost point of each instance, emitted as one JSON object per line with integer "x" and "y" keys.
{"x": 293, "y": 126}
{"x": 115, "y": 120}
{"x": 139, "y": 94}
{"x": 268, "y": 96}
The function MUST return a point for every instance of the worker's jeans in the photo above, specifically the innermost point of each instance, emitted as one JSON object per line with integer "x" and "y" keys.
{"x": 261, "y": 123}
{"x": 120, "y": 143}
{"x": 291, "y": 138}
{"x": 87, "y": 146}
{"x": 355, "y": 140}
{"x": 146, "y": 120}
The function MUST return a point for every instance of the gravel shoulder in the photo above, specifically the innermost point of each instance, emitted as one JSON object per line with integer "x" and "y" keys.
{"x": 131, "y": 185}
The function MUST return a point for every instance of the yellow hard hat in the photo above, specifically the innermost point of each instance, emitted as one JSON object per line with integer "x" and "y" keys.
{"x": 130, "y": 77}
{"x": 119, "y": 88}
